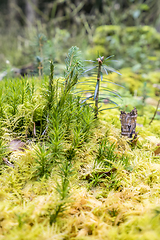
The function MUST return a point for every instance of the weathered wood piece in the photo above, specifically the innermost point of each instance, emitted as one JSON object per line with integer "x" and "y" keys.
{"x": 14, "y": 145}
{"x": 128, "y": 123}
{"x": 17, "y": 145}
{"x": 8, "y": 163}
{"x": 157, "y": 151}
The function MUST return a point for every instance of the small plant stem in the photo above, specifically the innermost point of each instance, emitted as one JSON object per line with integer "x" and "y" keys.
{"x": 50, "y": 87}
{"x": 100, "y": 61}
{"x": 51, "y": 75}
{"x": 155, "y": 112}
{"x": 40, "y": 67}
{"x": 144, "y": 97}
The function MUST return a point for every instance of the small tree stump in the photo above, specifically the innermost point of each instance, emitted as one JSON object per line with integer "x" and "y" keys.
{"x": 128, "y": 123}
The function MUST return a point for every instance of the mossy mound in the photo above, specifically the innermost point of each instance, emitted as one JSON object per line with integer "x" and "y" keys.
{"x": 77, "y": 178}
{"x": 124, "y": 205}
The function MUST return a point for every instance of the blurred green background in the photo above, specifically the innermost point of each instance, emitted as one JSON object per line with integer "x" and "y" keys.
{"x": 32, "y": 31}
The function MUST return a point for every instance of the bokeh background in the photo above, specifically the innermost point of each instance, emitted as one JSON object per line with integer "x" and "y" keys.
{"x": 34, "y": 29}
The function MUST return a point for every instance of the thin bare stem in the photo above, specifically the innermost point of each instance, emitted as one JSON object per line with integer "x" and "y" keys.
{"x": 100, "y": 61}
{"x": 155, "y": 112}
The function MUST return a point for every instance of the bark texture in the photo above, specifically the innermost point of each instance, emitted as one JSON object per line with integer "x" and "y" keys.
{"x": 128, "y": 123}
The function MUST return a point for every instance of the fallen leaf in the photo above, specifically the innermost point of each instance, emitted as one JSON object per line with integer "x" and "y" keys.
{"x": 16, "y": 145}
{"x": 8, "y": 163}
{"x": 157, "y": 151}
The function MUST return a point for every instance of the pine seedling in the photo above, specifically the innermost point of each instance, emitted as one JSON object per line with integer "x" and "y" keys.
{"x": 96, "y": 93}
{"x": 96, "y": 96}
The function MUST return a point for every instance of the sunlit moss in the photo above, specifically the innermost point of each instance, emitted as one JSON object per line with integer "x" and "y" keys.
{"x": 120, "y": 205}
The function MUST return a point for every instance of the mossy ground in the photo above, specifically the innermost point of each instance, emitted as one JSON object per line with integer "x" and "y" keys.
{"x": 122, "y": 205}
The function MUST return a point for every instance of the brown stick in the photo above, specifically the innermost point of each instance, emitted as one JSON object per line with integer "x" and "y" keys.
{"x": 8, "y": 163}
{"x": 155, "y": 113}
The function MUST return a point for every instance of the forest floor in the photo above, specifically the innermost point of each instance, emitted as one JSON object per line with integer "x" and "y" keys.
{"x": 110, "y": 189}
{"x": 124, "y": 204}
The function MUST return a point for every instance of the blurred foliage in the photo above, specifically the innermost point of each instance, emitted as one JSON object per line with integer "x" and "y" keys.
{"x": 74, "y": 22}
{"x": 136, "y": 47}
{"x": 74, "y": 12}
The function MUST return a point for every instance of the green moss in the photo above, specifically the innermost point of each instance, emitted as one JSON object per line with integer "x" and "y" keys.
{"x": 119, "y": 205}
